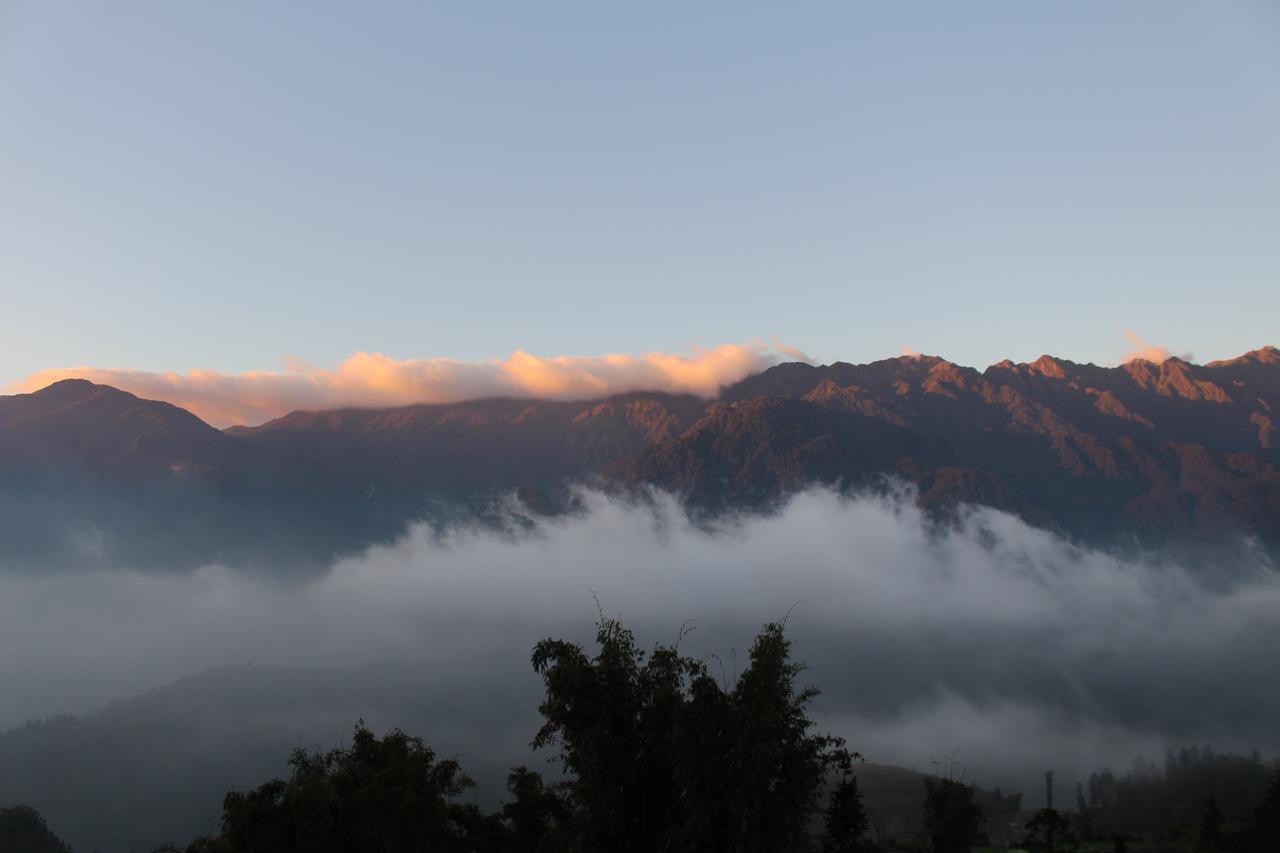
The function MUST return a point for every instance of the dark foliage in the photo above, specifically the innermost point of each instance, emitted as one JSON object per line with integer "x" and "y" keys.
{"x": 1049, "y": 831}
{"x": 953, "y": 820}
{"x": 847, "y": 821}
{"x": 536, "y": 818}
{"x": 379, "y": 795}
{"x": 1211, "y": 835}
{"x": 663, "y": 757}
{"x": 1263, "y": 832}
{"x": 22, "y": 830}
{"x": 1151, "y": 802}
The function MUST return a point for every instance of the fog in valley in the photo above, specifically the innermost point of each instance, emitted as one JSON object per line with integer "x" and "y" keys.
{"x": 993, "y": 646}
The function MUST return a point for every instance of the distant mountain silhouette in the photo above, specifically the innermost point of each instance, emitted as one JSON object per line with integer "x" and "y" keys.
{"x": 78, "y": 429}
{"x": 1152, "y": 452}
{"x": 467, "y": 448}
{"x": 90, "y": 474}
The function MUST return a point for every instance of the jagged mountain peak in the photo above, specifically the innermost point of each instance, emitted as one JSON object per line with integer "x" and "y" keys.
{"x": 1263, "y": 355}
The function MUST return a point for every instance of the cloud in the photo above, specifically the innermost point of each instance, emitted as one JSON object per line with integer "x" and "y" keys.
{"x": 977, "y": 737}
{"x": 375, "y": 380}
{"x": 792, "y": 353}
{"x": 1143, "y": 351}
{"x": 989, "y": 636}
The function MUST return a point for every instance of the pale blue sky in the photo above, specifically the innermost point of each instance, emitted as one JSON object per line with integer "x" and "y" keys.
{"x": 222, "y": 184}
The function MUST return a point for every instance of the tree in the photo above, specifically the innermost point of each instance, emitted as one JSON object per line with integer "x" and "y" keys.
{"x": 1084, "y": 819}
{"x": 380, "y": 794}
{"x": 536, "y": 816}
{"x": 953, "y": 820}
{"x": 1168, "y": 802}
{"x": 606, "y": 713}
{"x": 1211, "y": 827}
{"x": 1049, "y": 831}
{"x": 23, "y": 830}
{"x": 1266, "y": 828}
{"x": 779, "y": 765}
{"x": 846, "y": 819}
{"x": 662, "y": 756}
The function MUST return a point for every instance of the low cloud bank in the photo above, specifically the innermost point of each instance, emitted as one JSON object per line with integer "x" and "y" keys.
{"x": 989, "y": 637}
{"x": 375, "y": 380}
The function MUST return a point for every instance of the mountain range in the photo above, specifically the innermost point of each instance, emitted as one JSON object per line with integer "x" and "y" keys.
{"x": 1144, "y": 453}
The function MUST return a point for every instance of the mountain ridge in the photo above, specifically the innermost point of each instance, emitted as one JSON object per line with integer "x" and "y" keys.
{"x": 1172, "y": 448}
{"x": 1172, "y": 451}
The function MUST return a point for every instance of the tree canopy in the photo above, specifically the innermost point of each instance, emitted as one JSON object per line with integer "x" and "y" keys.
{"x": 662, "y": 756}
{"x": 23, "y": 830}
{"x": 952, "y": 818}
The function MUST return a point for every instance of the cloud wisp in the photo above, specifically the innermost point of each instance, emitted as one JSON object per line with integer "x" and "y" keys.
{"x": 991, "y": 636}
{"x": 1143, "y": 351}
{"x": 374, "y": 380}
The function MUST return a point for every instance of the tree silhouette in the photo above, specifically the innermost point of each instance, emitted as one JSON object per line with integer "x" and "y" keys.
{"x": 1210, "y": 839}
{"x": 662, "y": 757}
{"x": 1084, "y": 819}
{"x": 1049, "y": 831}
{"x": 537, "y": 816}
{"x": 1149, "y": 802}
{"x": 23, "y": 830}
{"x": 1266, "y": 828}
{"x": 953, "y": 820}
{"x": 382, "y": 795}
{"x": 846, "y": 820}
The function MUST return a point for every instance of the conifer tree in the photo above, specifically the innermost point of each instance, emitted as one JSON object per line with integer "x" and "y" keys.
{"x": 1211, "y": 827}
{"x": 846, "y": 819}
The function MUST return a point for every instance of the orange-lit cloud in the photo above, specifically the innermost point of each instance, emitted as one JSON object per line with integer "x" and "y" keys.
{"x": 375, "y": 380}
{"x": 1148, "y": 352}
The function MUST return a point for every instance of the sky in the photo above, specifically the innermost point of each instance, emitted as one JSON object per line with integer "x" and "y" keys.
{"x": 223, "y": 186}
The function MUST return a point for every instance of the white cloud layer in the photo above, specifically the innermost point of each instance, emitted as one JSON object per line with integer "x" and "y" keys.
{"x": 992, "y": 637}
{"x": 375, "y": 380}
